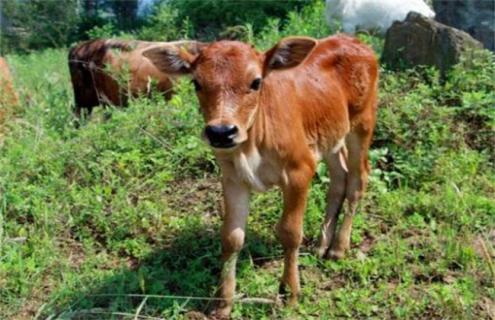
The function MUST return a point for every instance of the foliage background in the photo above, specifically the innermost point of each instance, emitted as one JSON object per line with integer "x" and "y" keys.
{"x": 36, "y": 24}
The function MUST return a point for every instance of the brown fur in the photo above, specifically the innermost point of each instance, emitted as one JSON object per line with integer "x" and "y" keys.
{"x": 8, "y": 95}
{"x": 96, "y": 65}
{"x": 317, "y": 101}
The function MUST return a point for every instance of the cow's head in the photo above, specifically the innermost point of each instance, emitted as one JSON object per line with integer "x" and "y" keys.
{"x": 228, "y": 77}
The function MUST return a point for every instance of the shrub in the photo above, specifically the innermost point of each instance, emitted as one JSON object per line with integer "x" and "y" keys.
{"x": 209, "y": 17}
{"x": 310, "y": 21}
{"x": 165, "y": 24}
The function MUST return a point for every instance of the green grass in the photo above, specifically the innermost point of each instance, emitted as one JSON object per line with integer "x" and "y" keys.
{"x": 130, "y": 205}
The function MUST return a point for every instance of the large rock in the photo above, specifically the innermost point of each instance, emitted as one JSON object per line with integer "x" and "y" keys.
{"x": 476, "y": 17}
{"x": 422, "y": 41}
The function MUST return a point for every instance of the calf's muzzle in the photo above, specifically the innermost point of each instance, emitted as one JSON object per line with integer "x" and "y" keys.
{"x": 221, "y": 136}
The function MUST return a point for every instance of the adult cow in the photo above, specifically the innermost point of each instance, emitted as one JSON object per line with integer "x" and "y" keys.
{"x": 105, "y": 72}
{"x": 269, "y": 118}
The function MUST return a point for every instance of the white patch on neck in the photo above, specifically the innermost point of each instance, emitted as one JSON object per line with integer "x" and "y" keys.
{"x": 247, "y": 167}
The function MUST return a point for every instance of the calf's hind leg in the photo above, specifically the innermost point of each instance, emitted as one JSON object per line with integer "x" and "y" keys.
{"x": 335, "y": 199}
{"x": 357, "y": 143}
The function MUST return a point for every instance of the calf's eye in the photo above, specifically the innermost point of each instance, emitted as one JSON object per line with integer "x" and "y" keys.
{"x": 255, "y": 85}
{"x": 196, "y": 84}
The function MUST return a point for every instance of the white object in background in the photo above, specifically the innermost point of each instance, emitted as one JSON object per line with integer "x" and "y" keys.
{"x": 373, "y": 14}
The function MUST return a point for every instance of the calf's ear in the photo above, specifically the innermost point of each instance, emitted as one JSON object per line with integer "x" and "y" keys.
{"x": 288, "y": 53}
{"x": 174, "y": 58}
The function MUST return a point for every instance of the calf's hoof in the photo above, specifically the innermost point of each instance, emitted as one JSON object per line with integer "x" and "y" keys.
{"x": 336, "y": 254}
{"x": 284, "y": 297}
{"x": 321, "y": 251}
{"x": 221, "y": 313}
{"x": 195, "y": 315}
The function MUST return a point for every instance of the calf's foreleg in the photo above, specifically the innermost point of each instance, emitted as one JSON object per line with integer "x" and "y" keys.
{"x": 236, "y": 199}
{"x": 290, "y": 227}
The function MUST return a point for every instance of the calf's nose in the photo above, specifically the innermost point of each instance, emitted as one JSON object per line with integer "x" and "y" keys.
{"x": 221, "y": 136}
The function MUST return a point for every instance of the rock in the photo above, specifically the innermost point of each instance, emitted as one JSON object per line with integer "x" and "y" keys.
{"x": 476, "y": 17}
{"x": 422, "y": 41}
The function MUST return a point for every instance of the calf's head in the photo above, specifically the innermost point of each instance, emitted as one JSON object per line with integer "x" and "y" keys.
{"x": 228, "y": 77}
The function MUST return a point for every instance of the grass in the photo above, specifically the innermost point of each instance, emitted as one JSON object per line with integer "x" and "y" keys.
{"x": 92, "y": 217}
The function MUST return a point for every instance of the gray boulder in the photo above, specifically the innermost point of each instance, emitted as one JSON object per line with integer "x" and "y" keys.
{"x": 422, "y": 41}
{"x": 476, "y": 17}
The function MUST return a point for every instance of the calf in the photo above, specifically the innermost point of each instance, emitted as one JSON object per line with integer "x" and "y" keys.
{"x": 270, "y": 117}
{"x": 8, "y": 95}
{"x": 105, "y": 72}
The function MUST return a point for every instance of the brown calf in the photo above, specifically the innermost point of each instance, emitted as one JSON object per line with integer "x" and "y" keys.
{"x": 8, "y": 95}
{"x": 96, "y": 66}
{"x": 270, "y": 118}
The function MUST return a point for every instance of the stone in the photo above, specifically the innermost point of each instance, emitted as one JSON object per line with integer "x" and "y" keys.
{"x": 476, "y": 17}
{"x": 419, "y": 40}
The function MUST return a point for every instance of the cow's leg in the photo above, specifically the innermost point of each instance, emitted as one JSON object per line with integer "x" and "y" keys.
{"x": 81, "y": 114}
{"x": 89, "y": 111}
{"x": 236, "y": 198}
{"x": 77, "y": 116}
{"x": 289, "y": 229}
{"x": 335, "y": 198}
{"x": 357, "y": 143}
{"x": 77, "y": 112}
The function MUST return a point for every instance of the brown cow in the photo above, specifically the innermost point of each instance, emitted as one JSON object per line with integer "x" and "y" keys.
{"x": 8, "y": 96}
{"x": 104, "y": 72}
{"x": 270, "y": 117}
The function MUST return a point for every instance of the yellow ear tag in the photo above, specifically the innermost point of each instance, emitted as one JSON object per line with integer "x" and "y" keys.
{"x": 185, "y": 55}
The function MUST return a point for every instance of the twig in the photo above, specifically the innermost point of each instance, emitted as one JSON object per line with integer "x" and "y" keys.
{"x": 279, "y": 256}
{"x": 38, "y": 313}
{"x": 248, "y": 300}
{"x": 138, "y": 310}
{"x": 163, "y": 143}
{"x": 16, "y": 240}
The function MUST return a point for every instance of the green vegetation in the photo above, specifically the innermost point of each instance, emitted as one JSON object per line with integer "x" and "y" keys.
{"x": 28, "y": 25}
{"x": 93, "y": 220}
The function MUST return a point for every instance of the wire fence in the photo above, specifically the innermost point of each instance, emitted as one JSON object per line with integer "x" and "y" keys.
{"x": 71, "y": 311}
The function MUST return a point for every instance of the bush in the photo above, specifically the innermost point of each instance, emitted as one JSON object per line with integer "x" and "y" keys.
{"x": 107, "y": 30}
{"x": 310, "y": 21}
{"x": 38, "y": 24}
{"x": 210, "y": 17}
{"x": 166, "y": 25}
